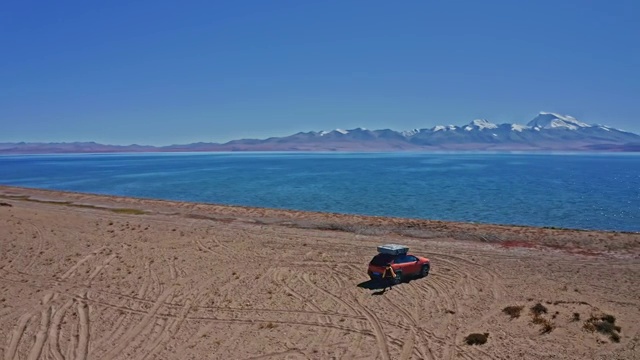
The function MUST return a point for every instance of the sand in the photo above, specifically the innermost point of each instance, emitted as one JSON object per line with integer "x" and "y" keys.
{"x": 103, "y": 277}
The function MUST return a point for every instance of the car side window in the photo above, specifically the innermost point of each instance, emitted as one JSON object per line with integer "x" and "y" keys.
{"x": 405, "y": 259}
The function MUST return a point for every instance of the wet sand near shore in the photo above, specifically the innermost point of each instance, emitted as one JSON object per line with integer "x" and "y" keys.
{"x": 103, "y": 277}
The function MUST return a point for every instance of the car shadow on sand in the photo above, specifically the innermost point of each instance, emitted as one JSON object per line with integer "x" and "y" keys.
{"x": 373, "y": 285}
{"x": 380, "y": 285}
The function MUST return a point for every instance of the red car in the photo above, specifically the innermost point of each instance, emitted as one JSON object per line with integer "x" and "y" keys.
{"x": 404, "y": 265}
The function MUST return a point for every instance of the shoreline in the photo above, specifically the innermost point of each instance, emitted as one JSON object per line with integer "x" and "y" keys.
{"x": 367, "y": 152}
{"x": 592, "y": 241}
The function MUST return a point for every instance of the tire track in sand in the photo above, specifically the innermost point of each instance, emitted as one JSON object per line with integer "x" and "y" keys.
{"x": 377, "y": 329}
{"x": 161, "y": 328}
{"x": 82, "y": 349}
{"x": 133, "y": 332}
{"x": 54, "y": 330}
{"x": 71, "y": 347}
{"x": 18, "y": 331}
{"x": 41, "y": 335}
{"x": 278, "y": 275}
{"x": 326, "y": 319}
{"x": 34, "y": 254}
{"x": 416, "y": 333}
{"x": 174, "y": 326}
{"x": 168, "y": 327}
{"x": 120, "y": 327}
{"x": 125, "y": 312}
{"x": 50, "y": 321}
{"x": 11, "y": 264}
{"x": 69, "y": 272}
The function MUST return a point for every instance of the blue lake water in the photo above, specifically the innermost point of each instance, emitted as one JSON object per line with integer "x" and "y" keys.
{"x": 583, "y": 191}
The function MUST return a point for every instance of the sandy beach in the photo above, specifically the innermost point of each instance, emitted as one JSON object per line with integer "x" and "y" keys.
{"x": 103, "y": 277}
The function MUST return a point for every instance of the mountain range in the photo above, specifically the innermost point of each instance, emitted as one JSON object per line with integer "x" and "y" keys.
{"x": 546, "y": 132}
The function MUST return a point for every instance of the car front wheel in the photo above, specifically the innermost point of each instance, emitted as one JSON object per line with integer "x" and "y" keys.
{"x": 424, "y": 271}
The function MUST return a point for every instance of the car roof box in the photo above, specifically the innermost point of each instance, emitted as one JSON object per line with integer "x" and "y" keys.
{"x": 393, "y": 249}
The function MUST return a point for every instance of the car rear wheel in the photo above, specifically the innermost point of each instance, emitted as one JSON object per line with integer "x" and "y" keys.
{"x": 424, "y": 271}
{"x": 398, "y": 278}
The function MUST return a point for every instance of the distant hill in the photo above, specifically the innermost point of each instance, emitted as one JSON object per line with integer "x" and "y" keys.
{"x": 547, "y": 131}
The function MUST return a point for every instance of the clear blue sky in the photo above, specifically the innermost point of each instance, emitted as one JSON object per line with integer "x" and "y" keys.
{"x": 161, "y": 72}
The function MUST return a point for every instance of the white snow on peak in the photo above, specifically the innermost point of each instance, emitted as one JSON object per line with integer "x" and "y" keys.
{"x": 518, "y": 127}
{"x": 410, "y": 132}
{"x": 343, "y": 132}
{"x": 606, "y": 128}
{"x": 546, "y": 120}
{"x": 480, "y": 124}
{"x": 444, "y": 128}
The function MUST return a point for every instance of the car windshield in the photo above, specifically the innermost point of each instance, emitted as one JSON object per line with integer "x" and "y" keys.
{"x": 382, "y": 259}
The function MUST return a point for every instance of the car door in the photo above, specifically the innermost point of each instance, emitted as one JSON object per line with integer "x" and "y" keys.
{"x": 408, "y": 264}
{"x": 413, "y": 265}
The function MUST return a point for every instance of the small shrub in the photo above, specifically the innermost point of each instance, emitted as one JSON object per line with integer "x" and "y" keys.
{"x": 538, "y": 320}
{"x": 608, "y": 318}
{"x": 476, "y": 339}
{"x": 604, "y": 324}
{"x": 615, "y": 337}
{"x": 547, "y": 326}
{"x": 576, "y": 317}
{"x": 604, "y": 327}
{"x": 538, "y": 309}
{"x": 513, "y": 311}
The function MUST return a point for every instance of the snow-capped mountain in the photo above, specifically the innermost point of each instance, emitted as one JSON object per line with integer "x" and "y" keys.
{"x": 546, "y": 120}
{"x": 480, "y": 124}
{"x": 547, "y": 131}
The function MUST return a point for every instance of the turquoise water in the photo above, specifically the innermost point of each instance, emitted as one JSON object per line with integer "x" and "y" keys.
{"x": 583, "y": 191}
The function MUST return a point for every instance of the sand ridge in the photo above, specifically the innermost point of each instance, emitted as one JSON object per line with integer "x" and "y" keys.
{"x": 101, "y": 277}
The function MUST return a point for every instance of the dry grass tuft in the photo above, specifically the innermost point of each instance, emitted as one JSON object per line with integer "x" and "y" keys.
{"x": 576, "y": 317}
{"x": 129, "y": 211}
{"x": 476, "y": 339}
{"x": 547, "y": 326}
{"x": 536, "y": 312}
{"x": 268, "y": 325}
{"x": 513, "y": 311}
{"x": 538, "y": 309}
